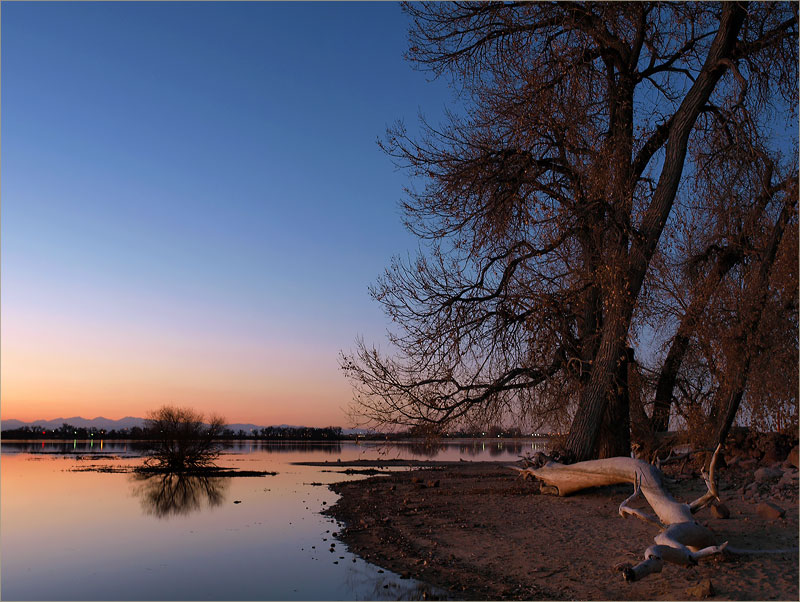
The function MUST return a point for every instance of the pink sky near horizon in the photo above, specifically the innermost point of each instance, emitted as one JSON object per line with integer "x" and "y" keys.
{"x": 283, "y": 399}
{"x": 59, "y": 368}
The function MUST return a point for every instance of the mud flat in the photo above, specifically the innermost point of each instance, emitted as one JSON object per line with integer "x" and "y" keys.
{"x": 476, "y": 530}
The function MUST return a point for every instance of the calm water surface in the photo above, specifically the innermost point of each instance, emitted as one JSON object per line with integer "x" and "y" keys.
{"x": 70, "y": 532}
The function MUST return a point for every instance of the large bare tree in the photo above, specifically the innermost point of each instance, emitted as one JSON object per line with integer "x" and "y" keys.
{"x": 545, "y": 198}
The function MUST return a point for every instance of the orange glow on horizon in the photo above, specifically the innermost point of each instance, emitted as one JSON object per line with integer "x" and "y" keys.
{"x": 306, "y": 404}
{"x": 127, "y": 373}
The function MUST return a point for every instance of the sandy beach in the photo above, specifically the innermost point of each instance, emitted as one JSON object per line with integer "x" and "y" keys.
{"x": 479, "y": 532}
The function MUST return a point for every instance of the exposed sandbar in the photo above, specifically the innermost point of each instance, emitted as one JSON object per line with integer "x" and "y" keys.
{"x": 477, "y": 531}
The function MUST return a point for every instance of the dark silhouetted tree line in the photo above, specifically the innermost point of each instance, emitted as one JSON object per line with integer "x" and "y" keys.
{"x": 277, "y": 433}
{"x": 68, "y": 431}
{"x": 330, "y": 433}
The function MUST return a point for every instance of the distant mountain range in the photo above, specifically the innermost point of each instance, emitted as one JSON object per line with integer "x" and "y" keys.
{"x": 129, "y": 422}
{"x": 80, "y": 422}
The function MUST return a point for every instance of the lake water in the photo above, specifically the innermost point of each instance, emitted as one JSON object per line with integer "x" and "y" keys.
{"x": 75, "y": 526}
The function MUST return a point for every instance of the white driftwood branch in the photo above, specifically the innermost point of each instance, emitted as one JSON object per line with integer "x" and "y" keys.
{"x": 524, "y": 473}
{"x": 683, "y": 540}
{"x": 711, "y": 484}
{"x": 625, "y": 509}
{"x": 656, "y": 555}
{"x": 673, "y": 457}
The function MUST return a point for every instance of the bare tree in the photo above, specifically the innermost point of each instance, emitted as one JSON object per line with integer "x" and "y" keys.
{"x": 545, "y": 201}
{"x": 182, "y": 440}
{"x": 717, "y": 274}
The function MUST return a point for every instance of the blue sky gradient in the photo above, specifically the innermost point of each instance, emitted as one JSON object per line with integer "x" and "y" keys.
{"x": 197, "y": 184}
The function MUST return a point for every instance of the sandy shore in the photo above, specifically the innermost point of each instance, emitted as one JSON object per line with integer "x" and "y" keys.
{"x": 476, "y": 530}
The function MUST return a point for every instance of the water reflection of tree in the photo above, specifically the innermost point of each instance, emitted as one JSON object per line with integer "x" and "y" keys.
{"x": 284, "y": 446}
{"x": 173, "y": 494}
{"x": 429, "y": 448}
{"x": 495, "y": 449}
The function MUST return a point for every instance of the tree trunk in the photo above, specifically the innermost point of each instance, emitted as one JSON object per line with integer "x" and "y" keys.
{"x": 666, "y": 382}
{"x": 582, "y": 438}
{"x": 614, "y": 438}
{"x": 726, "y": 259}
{"x": 756, "y": 292}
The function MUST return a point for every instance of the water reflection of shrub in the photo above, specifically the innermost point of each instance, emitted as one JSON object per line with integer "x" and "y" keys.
{"x": 173, "y": 494}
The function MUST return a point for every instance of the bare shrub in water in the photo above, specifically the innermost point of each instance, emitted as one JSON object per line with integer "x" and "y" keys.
{"x": 182, "y": 439}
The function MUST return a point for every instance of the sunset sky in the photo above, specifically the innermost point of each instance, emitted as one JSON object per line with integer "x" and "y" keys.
{"x": 194, "y": 203}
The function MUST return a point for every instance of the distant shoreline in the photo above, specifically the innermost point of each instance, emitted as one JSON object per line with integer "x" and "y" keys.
{"x": 478, "y": 532}
{"x": 26, "y": 437}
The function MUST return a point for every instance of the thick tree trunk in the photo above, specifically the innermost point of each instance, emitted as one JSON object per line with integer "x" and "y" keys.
{"x": 582, "y": 438}
{"x": 614, "y": 438}
{"x": 732, "y": 403}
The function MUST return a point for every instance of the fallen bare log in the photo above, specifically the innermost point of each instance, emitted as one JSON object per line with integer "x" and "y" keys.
{"x": 682, "y": 539}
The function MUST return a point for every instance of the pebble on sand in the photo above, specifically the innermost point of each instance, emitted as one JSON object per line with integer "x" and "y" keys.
{"x": 704, "y": 589}
{"x": 770, "y": 511}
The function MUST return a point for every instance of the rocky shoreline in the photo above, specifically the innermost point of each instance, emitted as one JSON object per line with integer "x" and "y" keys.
{"x": 477, "y": 531}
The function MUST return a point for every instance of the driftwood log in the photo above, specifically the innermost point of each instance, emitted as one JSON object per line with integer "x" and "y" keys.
{"x": 682, "y": 539}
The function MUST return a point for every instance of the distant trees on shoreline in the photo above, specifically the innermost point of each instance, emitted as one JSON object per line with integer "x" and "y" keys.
{"x": 68, "y": 431}
{"x": 329, "y": 433}
{"x": 272, "y": 433}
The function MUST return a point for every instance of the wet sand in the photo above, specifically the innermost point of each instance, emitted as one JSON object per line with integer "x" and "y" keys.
{"x": 478, "y": 531}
